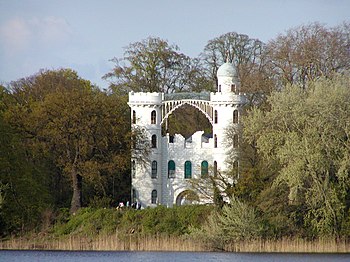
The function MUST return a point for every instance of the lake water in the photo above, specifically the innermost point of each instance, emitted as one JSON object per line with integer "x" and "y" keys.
{"x": 117, "y": 256}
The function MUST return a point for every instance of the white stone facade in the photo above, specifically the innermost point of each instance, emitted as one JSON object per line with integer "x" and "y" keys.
{"x": 173, "y": 161}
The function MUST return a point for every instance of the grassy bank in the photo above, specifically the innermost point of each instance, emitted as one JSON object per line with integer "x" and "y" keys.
{"x": 157, "y": 229}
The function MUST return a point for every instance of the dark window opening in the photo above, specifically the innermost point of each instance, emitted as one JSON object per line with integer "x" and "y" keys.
{"x": 154, "y": 197}
{"x": 171, "y": 169}
{"x": 153, "y": 117}
{"x": 133, "y": 116}
{"x": 233, "y": 88}
{"x": 215, "y": 168}
{"x": 235, "y": 116}
{"x": 154, "y": 169}
{"x": 154, "y": 141}
{"x": 235, "y": 141}
{"x": 188, "y": 169}
{"x": 215, "y": 117}
{"x": 204, "y": 168}
{"x": 133, "y": 168}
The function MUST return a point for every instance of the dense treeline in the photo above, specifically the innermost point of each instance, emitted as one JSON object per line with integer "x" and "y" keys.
{"x": 66, "y": 144}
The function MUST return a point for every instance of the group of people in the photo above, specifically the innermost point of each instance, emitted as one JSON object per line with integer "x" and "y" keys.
{"x": 135, "y": 205}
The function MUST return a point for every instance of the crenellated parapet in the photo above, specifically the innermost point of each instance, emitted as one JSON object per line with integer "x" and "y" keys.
{"x": 145, "y": 98}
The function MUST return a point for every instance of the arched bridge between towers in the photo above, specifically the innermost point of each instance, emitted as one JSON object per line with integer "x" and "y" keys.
{"x": 202, "y": 105}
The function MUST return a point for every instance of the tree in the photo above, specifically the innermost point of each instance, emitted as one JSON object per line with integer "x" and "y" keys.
{"x": 153, "y": 65}
{"x": 24, "y": 182}
{"x": 309, "y": 52}
{"x": 86, "y": 131}
{"x": 305, "y": 135}
{"x": 247, "y": 55}
{"x": 236, "y": 221}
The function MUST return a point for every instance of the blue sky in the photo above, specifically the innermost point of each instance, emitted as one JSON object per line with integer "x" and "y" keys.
{"x": 84, "y": 35}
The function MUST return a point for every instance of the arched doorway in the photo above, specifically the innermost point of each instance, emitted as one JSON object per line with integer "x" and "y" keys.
{"x": 187, "y": 197}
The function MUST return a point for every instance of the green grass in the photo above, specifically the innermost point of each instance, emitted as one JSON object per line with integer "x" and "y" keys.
{"x": 150, "y": 221}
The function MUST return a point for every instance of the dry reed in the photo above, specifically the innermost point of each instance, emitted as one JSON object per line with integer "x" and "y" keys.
{"x": 166, "y": 243}
{"x": 106, "y": 243}
{"x": 291, "y": 245}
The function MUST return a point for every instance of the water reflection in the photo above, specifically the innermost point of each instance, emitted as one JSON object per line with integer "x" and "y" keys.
{"x": 124, "y": 256}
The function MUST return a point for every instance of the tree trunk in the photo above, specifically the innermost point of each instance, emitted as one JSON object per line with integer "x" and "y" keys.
{"x": 77, "y": 194}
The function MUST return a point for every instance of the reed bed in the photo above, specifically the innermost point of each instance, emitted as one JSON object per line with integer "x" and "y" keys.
{"x": 106, "y": 243}
{"x": 171, "y": 243}
{"x": 291, "y": 245}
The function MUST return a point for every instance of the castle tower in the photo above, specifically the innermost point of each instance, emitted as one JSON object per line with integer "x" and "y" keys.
{"x": 226, "y": 103}
{"x": 146, "y": 173}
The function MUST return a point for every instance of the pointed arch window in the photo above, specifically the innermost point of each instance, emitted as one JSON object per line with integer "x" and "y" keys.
{"x": 153, "y": 117}
{"x": 154, "y": 197}
{"x": 235, "y": 167}
{"x": 188, "y": 169}
{"x": 154, "y": 141}
{"x": 154, "y": 169}
{"x": 235, "y": 141}
{"x": 134, "y": 195}
{"x": 133, "y": 116}
{"x": 215, "y": 168}
{"x": 215, "y": 117}
{"x": 219, "y": 88}
{"x": 215, "y": 141}
{"x": 233, "y": 88}
{"x": 171, "y": 169}
{"x": 235, "y": 116}
{"x": 133, "y": 168}
{"x": 204, "y": 168}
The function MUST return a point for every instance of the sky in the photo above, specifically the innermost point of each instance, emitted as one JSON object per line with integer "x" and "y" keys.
{"x": 85, "y": 35}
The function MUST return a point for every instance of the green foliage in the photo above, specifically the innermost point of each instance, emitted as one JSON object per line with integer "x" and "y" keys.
{"x": 83, "y": 130}
{"x": 305, "y": 137}
{"x": 236, "y": 221}
{"x": 150, "y": 221}
{"x": 162, "y": 220}
{"x": 89, "y": 222}
{"x": 24, "y": 185}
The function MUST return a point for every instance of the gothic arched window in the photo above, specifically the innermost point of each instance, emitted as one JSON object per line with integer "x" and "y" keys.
{"x": 215, "y": 117}
{"x": 215, "y": 168}
{"x": 235, "y": 116}
{"x": 215, "y": 141}
{"x": 204, "y": 168}
{"x": 188, "y": 169}
{"x": 233, "y": 88}
{"x": 154, "y": 169}
{"x": 153, "y": 117}
{"x": 133, "y": 116}
{"x": 171, "y": 169}
{"x": 154, "y": 141}
{"x": 133, "y": 168}
{"x": 154, "y": 197}
{"x": 235, "y": 141}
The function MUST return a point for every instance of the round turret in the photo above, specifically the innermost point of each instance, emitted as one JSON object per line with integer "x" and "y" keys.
{"x": 226, "y": 70}
{"x": 227, "y": 78}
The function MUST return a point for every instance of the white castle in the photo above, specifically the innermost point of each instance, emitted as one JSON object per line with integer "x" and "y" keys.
{"x": 164, "y": 178}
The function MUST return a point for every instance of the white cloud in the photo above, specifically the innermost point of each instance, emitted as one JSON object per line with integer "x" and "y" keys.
{"x": 15, "y": 35}
{"x": 19, "y": 34}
